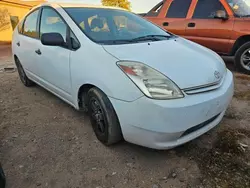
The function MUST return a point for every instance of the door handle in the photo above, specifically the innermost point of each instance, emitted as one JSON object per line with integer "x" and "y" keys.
{"x": 38, "y": 52}
{"x": 191, "y": 24}
{"x": 165, "y": 24}
{"x": 18, "y": 44}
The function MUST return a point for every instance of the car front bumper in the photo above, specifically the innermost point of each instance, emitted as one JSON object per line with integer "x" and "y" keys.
{"x": 164, "y": 124}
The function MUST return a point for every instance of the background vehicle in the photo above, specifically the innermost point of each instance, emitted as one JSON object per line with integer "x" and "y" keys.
{"x": 2, "y": 178}
{"x": 221, "y": 25}
{"x": 124, "y": 70}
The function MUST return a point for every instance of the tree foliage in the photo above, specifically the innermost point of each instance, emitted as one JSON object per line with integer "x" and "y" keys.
{"x": 117, "y": 3}
{"x": 4, "y": 19}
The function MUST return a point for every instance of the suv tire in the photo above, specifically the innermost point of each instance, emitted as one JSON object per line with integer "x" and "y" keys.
{"x": 242, "y": 58}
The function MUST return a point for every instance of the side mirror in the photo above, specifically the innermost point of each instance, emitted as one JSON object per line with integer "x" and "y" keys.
{"x": 52, "y": 39}
{"x": 221, "y": 14}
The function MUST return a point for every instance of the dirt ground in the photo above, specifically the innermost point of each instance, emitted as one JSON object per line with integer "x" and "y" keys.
{"x": 46, "y": 143}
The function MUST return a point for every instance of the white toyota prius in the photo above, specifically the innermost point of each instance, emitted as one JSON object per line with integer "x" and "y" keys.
{"x": 137, "y": 81}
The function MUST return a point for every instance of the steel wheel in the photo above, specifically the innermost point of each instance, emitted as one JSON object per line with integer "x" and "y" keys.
{"x": 245, "y": 59}
{"x": 103, "y": 117}
{"x": 98, "y": 116}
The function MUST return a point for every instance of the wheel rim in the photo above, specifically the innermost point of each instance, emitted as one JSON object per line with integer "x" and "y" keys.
{"x": 245, "y": 59}
{"x": 98, "y": 117}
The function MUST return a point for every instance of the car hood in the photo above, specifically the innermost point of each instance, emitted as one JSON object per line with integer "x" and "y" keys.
{"x": 184, "y": 62}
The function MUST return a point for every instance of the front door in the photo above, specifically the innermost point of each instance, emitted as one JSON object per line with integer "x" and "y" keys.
{"x": 208, "y": 31}
{"x": 54, "y": 61}
{"x": 175, "y": 18}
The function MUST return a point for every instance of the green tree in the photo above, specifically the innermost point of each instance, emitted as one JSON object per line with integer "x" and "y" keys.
{"x": 117, "y": 3}
{"x": 4, "y": 19}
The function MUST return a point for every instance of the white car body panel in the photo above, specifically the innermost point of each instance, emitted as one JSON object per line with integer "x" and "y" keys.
{"x": 159, "y": 124}
{"x": 147, "y": 122}
{"x": 167, "y": 56}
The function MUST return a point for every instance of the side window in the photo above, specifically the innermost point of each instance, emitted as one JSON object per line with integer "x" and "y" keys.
{"x": 206, "y": 9}
{"x": 156, "y": 10}
{"x": 20, "y": 27}
{"x": 178, "y": 9}
{"x": 29, "y": 28}
{"x": 51, "y": 22}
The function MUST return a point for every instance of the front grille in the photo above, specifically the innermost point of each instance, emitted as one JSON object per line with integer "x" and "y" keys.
{"x": 203, "y": 88}
{"x": 197, "y": 127}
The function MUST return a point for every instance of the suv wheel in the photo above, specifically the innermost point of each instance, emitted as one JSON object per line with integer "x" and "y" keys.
{"x": 25, "y": 80}
{"x": 242, "y": 58}
{"x": 103, "y": 117}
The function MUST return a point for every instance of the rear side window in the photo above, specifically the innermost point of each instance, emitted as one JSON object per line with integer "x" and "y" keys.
{"x": 178, "y": 9}
{"x": 30, "y": 23}
{"x": 20, "y": 27}
{"x": 51, "y": 22}
{"x": 156, "y": 10}
{"x": 206, "y": 9}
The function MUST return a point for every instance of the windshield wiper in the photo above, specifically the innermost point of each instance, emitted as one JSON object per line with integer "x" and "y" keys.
{"x": 248, "y": 15}
{"x": 138, "y": 39}
{"x": 151, "y": 37}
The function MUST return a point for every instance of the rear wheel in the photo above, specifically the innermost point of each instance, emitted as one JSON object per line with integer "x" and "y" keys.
{"x": 25, "y": 80}
{"x": 103, "y": 117}
{"x": 242, "y": 58}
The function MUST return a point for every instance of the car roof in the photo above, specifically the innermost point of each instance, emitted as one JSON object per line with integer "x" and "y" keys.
{"x": 77, "y": 5}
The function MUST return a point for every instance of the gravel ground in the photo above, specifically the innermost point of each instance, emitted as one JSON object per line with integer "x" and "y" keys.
{"x": 46, "y": 143}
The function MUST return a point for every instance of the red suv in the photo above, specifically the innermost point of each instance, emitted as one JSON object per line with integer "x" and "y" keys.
{"x": 221, "y": 25}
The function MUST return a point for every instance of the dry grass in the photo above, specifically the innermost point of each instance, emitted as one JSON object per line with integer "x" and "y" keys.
{"x": 243, "y": 77}
{"x": 224, "y": 165}
{"x": 242, "y": 95}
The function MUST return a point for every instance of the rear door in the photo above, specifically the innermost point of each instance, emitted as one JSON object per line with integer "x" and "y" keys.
{"x": 26, "y": 43}
{"x": 208, "y": 31}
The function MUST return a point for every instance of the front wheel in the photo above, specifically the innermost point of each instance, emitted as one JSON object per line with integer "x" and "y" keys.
{"x": 242, "y": 58}
{"x": 103, "y": 117}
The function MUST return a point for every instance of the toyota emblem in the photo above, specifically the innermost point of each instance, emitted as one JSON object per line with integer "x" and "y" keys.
{"x": 217, "y": 75}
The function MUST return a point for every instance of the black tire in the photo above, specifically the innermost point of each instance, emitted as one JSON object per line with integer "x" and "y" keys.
{"x": 239, "y": 58}
{"x": 2, "y": 178}
{"x": 103, "y": 118}
{"x": 25, "y": 80}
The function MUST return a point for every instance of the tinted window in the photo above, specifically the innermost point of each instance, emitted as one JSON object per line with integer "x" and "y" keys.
{"x": 29, "y": 28}
{"x": 51, "y": 22}
{"x": 207, "y": 8}
{"x": 110, "y": 26}
{"x": 178, "y": 9}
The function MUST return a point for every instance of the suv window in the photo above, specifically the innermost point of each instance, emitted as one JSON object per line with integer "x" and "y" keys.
{"x": 206, "y": 9}
{"x": 51, "y": 22}
{"x": 178, "y": 9}
{"x": 29, "y": 28}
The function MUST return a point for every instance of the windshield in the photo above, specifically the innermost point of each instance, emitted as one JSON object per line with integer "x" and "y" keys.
{"x": 111, "y": 26}
{"x": 241, "y": 8}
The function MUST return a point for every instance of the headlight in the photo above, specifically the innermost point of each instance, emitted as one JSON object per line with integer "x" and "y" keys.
{"x": 151, "y": 82}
